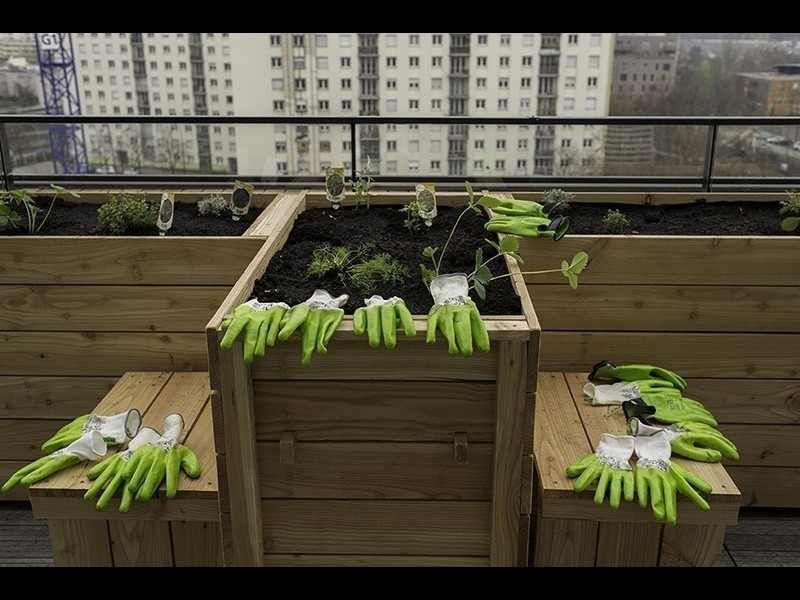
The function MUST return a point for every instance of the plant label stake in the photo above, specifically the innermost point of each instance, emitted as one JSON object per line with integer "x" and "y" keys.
{"x": 334, "y": 185}
{"x": 240, "y": 199}
{"x": 426, "y": 196}
{"x": 166, "y": 213}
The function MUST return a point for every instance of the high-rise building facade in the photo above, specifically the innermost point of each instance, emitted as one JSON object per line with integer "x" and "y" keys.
{"x": 644, "y": 64}
{"x": 348, "y": 74}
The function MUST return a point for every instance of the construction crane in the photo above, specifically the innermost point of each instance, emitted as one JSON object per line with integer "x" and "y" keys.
{"x": 61, "y": 97}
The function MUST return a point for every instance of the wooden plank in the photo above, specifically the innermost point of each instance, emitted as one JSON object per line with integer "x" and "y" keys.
{"x": 264, "y": 224}
{"x": 670, "y": 260}
{"x": 99, "y": 354}
{"x": 140, "y": 543}
{"x": 108, "y": 307}
{"x": 72, "y": 260}
{"x": 765, "y": 445}
{"x": 21, "y": 439}
{"x": 196, "y": 543}
{"x": 357, "y": 361}
{"x": 692, "y": 545}
{"x": 565, "y": 543}
{"x": 201, "y": 441}
{"x": 51, "y": 397}
{"x": 738, "y": 355}
{"x": 79, "y": 543}
{"x": 526, "y": 493}
{"x": 749, "y": 401}
{"x": 374, "y": 410}
{"x": 48, "y": 505}
{"x": 372, "y": 560}
{"x": 242, "y": 459}
{"x": 450, "y": 528}
{"x": 7, "y": 469}
{"x": 523, "y": 540}
{"x": 185, "y": 394}
{"x": 656, "y": 198}
{"x": 628, "y": 544}
{"x": 767, "y": 486}
{"x": 385, "y": 470}
{"x": 512, "y": 371}
{"x": 757, "y": 309}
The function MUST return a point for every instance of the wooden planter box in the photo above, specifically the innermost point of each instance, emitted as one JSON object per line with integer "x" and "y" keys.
{"x": 373, "y": 456}
{"x": 78, "y": 312}
{"x": 722, "y": 311}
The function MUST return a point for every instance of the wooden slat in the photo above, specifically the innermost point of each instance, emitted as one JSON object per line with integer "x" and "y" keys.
{"x": 200, "y": 440}
{"x": 667, "y": 308}
{"x": 765, "y": 445}
{"x": 125, "y": 260}
{"x": 524, "y": 540}
{"x": 374, "y": 410}
{"x": 357, "y": 361}
{"x": 507, "y": 473}
{"x": 628, "y": 544}
{"x": 526, "y": 494}
{"x": 457, "y": 528}
{"x": 196, "y": 544}
{"x": 21, "y": 439}
{"x": 692, "y": 545}
{"x": 7, "y": 469}
{"x": 767, "y": 486}
{"x": 741, "y": 355}
{"x": 746, "y": 401}
{"x": 263, "y": 226}
{"x": 387, "y": 470}
{"x": 47, "y": 505}
{"x": 79, "y": 543}
{"x": 140, "y": 543}
{"x": 51, "y": 397}
{"x": 670, "y": 260}
{"x": 565, "y": 543}
{"x": 372, "y": 560}
{"x": 50, "y": 353}
{"x": 108, "y": 307}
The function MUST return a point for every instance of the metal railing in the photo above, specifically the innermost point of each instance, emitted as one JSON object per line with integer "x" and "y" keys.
{"x": 706, "y": 180}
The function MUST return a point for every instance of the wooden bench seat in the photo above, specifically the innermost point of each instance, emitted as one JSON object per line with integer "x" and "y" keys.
{"x": 572, "y": 531}
{"x": 183, "y": 531}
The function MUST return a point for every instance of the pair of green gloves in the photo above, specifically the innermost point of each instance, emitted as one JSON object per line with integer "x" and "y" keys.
{"x": 656, "y": 480}
{"x": 529, "y": 219}
{"x": 658, "y": 393}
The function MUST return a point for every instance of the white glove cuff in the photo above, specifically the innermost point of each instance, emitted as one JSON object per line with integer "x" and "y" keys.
{"x": 613, "y": 393}
{"x": 452, "y": 289}
{"x": 173, "y": 425}
{"x": 653, "y": 448}
{"x": 90, "y": 446}
{"x": 115, "y": 429}
{"x": 615, "y": 451}
{"x": 638, "y": 428}
{"x": 379, "y": 301}
{"x": 258, "y": 306}
{"x": 322, "y": 299}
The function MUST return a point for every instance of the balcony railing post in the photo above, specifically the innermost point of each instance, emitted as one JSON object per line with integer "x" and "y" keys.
{"x": 352, "y": 149}
{"x": 711, "y": 148}
{"x": 5, "y": 158}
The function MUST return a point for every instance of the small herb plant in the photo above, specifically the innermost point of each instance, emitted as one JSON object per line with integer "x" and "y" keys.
{"x": 558, "y": 199}
{"x": 21, "y": 198}
{"x": 327, "y": 259}
{"x": 482, "y": 275}
{"x": 363, "y": 184}
{"x": 791, "y": 207}
{"x": 127, "y": 213}
{"x": 616, "y": 222}
{"x": 213, "y": 205}
{"x": 381, "y": 268}
{"x": 358, "y": 266}
{"x": 413, "y": 215}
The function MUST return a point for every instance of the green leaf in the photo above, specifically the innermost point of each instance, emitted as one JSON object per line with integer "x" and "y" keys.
{"x": 478, "y": 259}
{"x": 469, "y": 191}
{"x": 790, "y": 223}
{"x": 484, "y": 275}
{"x": 494, "y": 245}
{"x": 4, "y": 221}
{"x": 509, "y": 243}
{"x": 428, "y": 252}
{"x": 62, "y": 190}
{"x": 480, "y": 289}
{"x": 564, "y": 267}
{"x": 5, "y": 210}
{"x": 572, "y": 278}
{"x": 489, "y": 202}
{"x": 516, "y": 257}
{"x": 579, "y": 262}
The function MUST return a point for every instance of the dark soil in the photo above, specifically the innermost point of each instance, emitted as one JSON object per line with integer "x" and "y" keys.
{"x": 703, "y": 218}
{"x": 287, "y": 280}
{"x": 67, "y": 218}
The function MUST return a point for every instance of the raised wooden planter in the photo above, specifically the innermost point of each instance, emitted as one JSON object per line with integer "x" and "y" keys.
{"x": 78, "y": 312}
{"x": 722, "y": 311}
{"x": 404, "y": 456}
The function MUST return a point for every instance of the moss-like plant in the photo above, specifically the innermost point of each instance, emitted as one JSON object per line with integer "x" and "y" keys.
{"x": 790, "y": 207}
{"x": 127, "y": 214}
{"x": 381, "y": 268}
{"x": 558, "y": 200}
{"x": 615, "y": 222}
{"x": 336, "y": 260}
{"x": 213, "y": 205}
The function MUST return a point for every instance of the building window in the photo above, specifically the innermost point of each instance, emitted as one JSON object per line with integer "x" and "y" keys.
{"x": 480, "y": 83}
{"x": 480, "y": 103}
{"x": 522, "y": 144}
{"x": 522, "y": 163}
{"x": 500, "y": 165}
{"x": 321, "y": 40}
{"x": 595, "y": 39}
{"x": 391, "y": 62}
{"x": 322, "y": 84}
{"x": 324, "y": 146}
{"x": 413, "y": 83}
{"x": 413, "y": 39}
{"x": 572, "y": 39}
{"x": 413, "y": 165}
{"x": 391, "y": 166}
{"x": 527, "y": 39}
{"x": 437, "y": 39}
{"x": 282, "y": 167}
{"x": 591, "y": 103}
{"x": 346, "y": 84}
{"x": 591, "y": 82}
{"x": 391, "y": 145}
{"x": 275, "y": 40}
{"x": 413, "y": 61}
{"x": 347, "y": 105}
{"x": 345, "y": 62}
{"x": 483, "y": 39}
{"x": 344, "y": 40}
{"x": 482, "y": 60}
{"x": 594, "y": 61}
{"x": 502, "y": 82}
{"x": 322, "y": 62}
{"x": 500, "y": 144}
{"x": 436, "y": 61}
{"x": 505, "y": 61}
{"x": 413, "y": 105}
{"x": 277, "y": 105}
{"x": 572, "y": 61}
{"x": 569, "y": 103}
{"x": 276, "y": 61}
{"x": 479, "y": 144}
{"x": 323, "y": 105}
{"x": 436, "y": 165}
{"x": 391, "y": 84}
{"x": 525, "y": 83}
{"x": 527, "y": 61}
{"x": 277, "y": 84}
{"x": 298, "y": 39}
{"x": 587, "y": 142}
{"x": 524, "y": 103}
{"x": 436, "y": 83}
{"x": 478, "y": 165}
{"x": 502, "y": 104}
{"x": 391, "y": 106}
{"x": 505, "y": 39}
{"x": 436, "y": 105}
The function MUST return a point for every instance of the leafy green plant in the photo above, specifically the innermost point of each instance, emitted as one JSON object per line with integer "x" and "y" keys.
{"x": 791, "y": 207}
{"x": 381, "y": 268}
{"x": 213, "y": 205}
{"x": 616, "y": 222}
{"x": 21, "y": 198}
{"x": 482, "y": 275}
{"x": 559, "y": 199}
{"x": 127, "y": 213}
{"x": 327, "y": 259}
{"x": 413, "y": 211}
{"x": 363, "y": 183}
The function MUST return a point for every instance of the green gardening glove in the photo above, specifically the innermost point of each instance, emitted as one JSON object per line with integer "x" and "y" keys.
{"x": 606, "y": 371}
{"x": 260, "y": 322}
{"x": 382, "y": 317}
{"x": 672, "y": 407}
{"x": 116, "y": 429}
{"x": 696, "y": 441}
{"x": 90, "y": 446}
{"x": 151, "y": 463}
{"x": 456, "y": 316}
{"x": 107, "y": 474}
{"x": 609, "y": 466}
{"x": 522, "y": 208}
{"x": 530, "y": 227}
{"x": 318, "y": 317}
{"x": 659, "y": 480}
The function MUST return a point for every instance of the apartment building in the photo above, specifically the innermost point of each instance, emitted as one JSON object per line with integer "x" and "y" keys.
{"x": 644, "y": 64}
{"x": 17, "y": 45}
{"x": 347, "y": 74}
